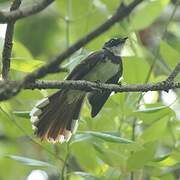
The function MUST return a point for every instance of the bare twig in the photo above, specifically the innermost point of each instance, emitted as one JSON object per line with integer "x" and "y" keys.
{"x": 24, "y": 12}
{"x": 7, "y": 49}
{"x": 174, "y": 73}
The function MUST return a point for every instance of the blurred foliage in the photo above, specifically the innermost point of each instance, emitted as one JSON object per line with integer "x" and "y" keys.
{"x": 108, "y": 146}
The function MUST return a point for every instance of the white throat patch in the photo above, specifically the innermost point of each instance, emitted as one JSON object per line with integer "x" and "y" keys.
{"x": 116, "y": 50}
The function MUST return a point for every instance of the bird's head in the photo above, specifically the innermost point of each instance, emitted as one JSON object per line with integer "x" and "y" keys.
{"x": 115, "y": 45}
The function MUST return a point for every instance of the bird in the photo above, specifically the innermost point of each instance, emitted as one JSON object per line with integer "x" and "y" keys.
{"x": 55, "y": 118}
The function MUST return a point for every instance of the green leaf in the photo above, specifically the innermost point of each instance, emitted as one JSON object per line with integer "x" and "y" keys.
{"x": 140, "y": 158}
{"x": 28, "y": 161}
{"x": 23, "y": 114}
{"x": 25, "y": 65}
{"x": 147, "y": 14}
{"x": 22, "y": 59}
{"x": 19, "y": 50}
{"x": 166, "y": 161}
{"x": 109, "y": 137}
{"x": 155, "y": 131}
{"x": 85, "y": 156}
{"x": 169, "y": 54}
{"x": 153, "y": 112}
{"x": 80, "y": 137}
{"x": 37, "y": 37}
{"x": 169, "y": 175}
{"x": 133, "y": 69}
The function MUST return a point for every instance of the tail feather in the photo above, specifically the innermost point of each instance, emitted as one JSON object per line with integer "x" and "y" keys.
{"x": 56, "y": 119}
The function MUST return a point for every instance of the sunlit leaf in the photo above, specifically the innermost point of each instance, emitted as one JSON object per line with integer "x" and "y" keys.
{"x": 25, "y": 65}
{"x": 166, "y": 161}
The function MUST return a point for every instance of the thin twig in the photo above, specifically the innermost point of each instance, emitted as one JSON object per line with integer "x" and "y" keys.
{"x": 63, "y": 177}
{"x": 6, "y": 17}
{"x": 174, "y": 73}
{"x": 7, "y": 49}
{"x": 133, "y": 136}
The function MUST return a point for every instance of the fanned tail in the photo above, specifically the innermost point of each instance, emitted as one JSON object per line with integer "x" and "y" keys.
{"x": 55, "y": 118}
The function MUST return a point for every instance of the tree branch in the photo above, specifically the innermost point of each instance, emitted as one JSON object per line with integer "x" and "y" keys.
{"x": 92, "y": 86}
{"x": 174, "y": 73}
{"x": 10, "y": 88}
{"x": 6, "y": 17}
{"x": 7, "y": 49}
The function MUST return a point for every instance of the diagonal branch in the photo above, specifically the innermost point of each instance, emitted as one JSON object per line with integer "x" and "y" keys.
{"x": 174, "y": 73}
{"x": 7, "y": 49}
{"x": 24, "y": 12}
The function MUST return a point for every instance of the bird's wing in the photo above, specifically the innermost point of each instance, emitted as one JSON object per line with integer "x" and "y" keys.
{"x": 98, "y": 99}
{"x": 85, "y": 66}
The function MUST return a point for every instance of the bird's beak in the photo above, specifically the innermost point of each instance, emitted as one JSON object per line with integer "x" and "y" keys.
{"x": 124, "y": 39}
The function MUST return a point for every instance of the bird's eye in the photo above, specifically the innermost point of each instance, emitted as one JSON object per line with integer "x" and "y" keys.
{"x": 112, "y": 40}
